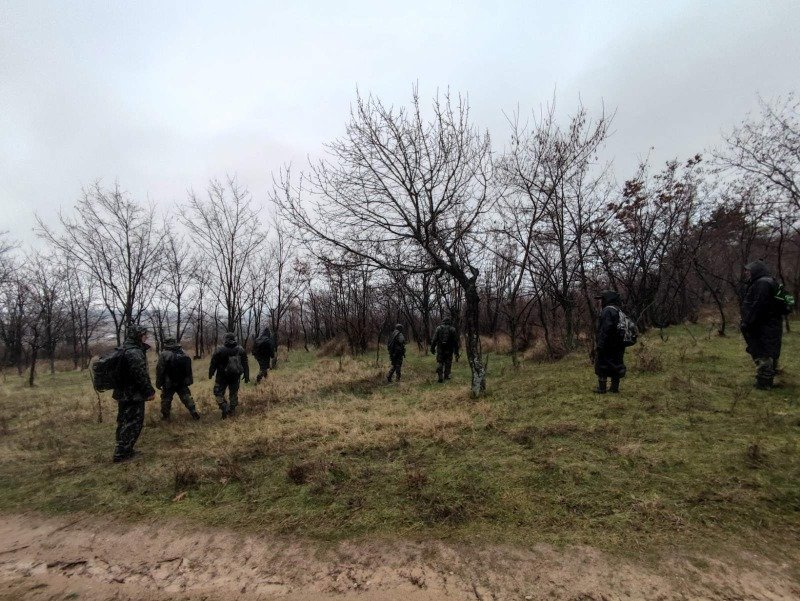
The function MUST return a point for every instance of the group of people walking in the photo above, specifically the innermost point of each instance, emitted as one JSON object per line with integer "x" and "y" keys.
{"x": 762, "y": 313}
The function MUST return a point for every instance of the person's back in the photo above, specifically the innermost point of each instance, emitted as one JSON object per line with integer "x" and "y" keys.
{"x": 263, "y": 351}
{"x": 174, "y": 375}
{"x": 762, "y": 322}
{"x": 445, "y": 344}
{"x": 229, "y": 363}
{"x": 396, "y": 345}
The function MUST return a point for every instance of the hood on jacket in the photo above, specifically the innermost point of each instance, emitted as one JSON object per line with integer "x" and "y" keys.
{"x": 399, "y": 327}
{"x": 230, "y": 339}
{"x": 757, "y": 269}
{"x": 266, "y": 333}
{"x": 170, "y": 344}
{"x": 447, "y": 321}
{"x": 609, "y": 297}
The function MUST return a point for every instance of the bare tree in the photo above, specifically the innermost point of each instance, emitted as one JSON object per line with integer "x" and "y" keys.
{"x": 229, "y": 232}
{"x": 403, "y": 193}
{"x": 767, "y": 147}
{"x": 115, "y": 240}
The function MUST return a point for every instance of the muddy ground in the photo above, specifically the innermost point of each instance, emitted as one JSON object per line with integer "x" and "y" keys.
{"x": 96, "y": 559}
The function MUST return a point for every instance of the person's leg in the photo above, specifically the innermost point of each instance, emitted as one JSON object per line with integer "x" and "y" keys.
{"x": 448, "y": 366}
{"x": 765, "y": 373}
{"x": 614, "y": 385}
{"x": 601, "y": 385}
{"x": 399, "y": 368}
{"x": 219, "y": 394}
{"x": 130, "y": 420}
{"x": 166, "y": 402}
{"x": 185, "y": 395}
{"x": 233, "y": 397}
{"x": 440, "y": 369}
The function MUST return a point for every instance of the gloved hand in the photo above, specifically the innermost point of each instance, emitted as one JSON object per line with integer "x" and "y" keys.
{"x": 247, "y": 380}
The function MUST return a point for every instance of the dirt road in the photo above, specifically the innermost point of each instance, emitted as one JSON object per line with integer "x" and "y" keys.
{"x": 94, "y": 559}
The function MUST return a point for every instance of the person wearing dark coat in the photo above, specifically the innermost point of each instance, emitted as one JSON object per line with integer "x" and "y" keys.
{"x": 134, "y": 390}
{"x": 174, "y": 376}
{"x": 762, "y": 322}
{"x": 445, "y": 344}
{"x": 609, "y": 349}
{"x": 396, "y": 346}
{"x": 263, "y": 351}
{"x": 229, "y": 363}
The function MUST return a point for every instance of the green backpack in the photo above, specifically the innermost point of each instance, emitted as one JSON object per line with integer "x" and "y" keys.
{"x": 784, "y": 300}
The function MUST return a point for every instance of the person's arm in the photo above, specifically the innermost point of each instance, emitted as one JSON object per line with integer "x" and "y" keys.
{"x": 212, "y": 366}
{"x": 139, "y": 376}
{"x": 605, "y": 327}
{"x": 160, "y": 371}
{"x": 435, "y": 340}
{"x": 245, "y": 365}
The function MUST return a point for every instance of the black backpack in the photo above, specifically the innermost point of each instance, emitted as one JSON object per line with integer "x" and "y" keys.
{"x": 179, "y": 368}
{"x": 108, "y": 372}
{"x": 234, "y": 368}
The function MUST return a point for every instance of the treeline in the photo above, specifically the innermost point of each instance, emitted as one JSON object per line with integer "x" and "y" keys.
{"x": 411, "y": 216}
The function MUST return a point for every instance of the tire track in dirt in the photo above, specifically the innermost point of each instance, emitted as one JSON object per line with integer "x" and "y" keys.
{"x": 98, "y": 559}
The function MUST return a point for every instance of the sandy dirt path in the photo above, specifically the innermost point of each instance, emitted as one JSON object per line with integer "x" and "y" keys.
{"x": 97, "y": 559}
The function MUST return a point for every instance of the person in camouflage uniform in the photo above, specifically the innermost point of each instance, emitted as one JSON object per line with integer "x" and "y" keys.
{"x": 172, "y": 377}
{"x": 762, "y": 322}
{"x": 229, "y": 363}
{"x": 134, "y": 390}
{"x": 263, "y": 351}
{"x": 445, "y": 344}
{"x": 397, "y": 351}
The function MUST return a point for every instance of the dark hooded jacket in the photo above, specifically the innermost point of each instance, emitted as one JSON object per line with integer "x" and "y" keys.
{"x": 137, "y": 386}
{"x": 396, "y": 345}
{"x": 762, "y": 321}
{"x": 165, "y": 376}
{"x": 219, "y": 360}
{"x": 610, "y": 350}
{"x": 445, "y": 340}
{"x": 264, "y": 346}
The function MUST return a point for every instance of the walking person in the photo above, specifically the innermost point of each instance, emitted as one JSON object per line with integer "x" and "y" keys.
{"x": 396, "y": 345}
{"x": 445, "y": 344}
{"x": 263, "y": 351}
{"x": 762, "y": 322}
{"x": 229, "y": 363}
{"x": 174, "y": 376}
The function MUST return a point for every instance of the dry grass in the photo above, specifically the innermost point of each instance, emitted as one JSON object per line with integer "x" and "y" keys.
{"x": 325, "y": 448}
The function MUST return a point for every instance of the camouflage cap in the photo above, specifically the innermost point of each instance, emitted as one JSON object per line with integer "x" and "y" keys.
{"x": 170, "y": 342}
{"x": 399, "y": 326}
{"x": 136, "y": 330}
{"x": 229, "y": 337}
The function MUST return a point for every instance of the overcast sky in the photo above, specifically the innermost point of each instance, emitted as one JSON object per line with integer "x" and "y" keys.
{"x": 163, "y": 96}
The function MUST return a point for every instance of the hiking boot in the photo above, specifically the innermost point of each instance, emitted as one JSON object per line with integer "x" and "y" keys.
{"x": 231, "y": 411}
{"x": 763, "y": 383}
{"x": 601, "y": 386}
{"x": 614, "y": 386}
{"x": 165, "y": 417}
{"x": 224, "y": 412}
{"x": 195, "y": 415}
{"x": 125, "y": 457}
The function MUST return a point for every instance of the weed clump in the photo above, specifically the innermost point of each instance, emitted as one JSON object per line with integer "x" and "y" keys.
{"x": 647, "y": 360}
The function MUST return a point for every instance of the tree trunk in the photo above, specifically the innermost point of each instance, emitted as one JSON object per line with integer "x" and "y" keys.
{"x": 473, "y": 340}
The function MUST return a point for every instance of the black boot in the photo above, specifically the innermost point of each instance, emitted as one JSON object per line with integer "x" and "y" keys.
{"x": 764, "y": 383}
{"x": 601, "y": 386}
{"x": 195, "y": 414}
{"x": 165, "y": 417}
{"x": 614, "y": 385}
{"x": 224, "y": 409}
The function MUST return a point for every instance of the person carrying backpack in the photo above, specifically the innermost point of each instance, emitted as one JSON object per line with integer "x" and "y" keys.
{"x": 609, "y": 343}
{"x": 174, "y": 375}
{"x": 396, "y": 346}
{"x": 445, "y": 344}
{"x": 263, "y": 351}
{"x": 133, "y": 388}
{"x": 229, "y": 363}
{"x": 762, "y": 322}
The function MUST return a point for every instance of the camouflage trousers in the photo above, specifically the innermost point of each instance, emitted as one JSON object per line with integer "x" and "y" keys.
{"x": 232, "y": 387}
{"x": 444, "y": 364}
{"x": 263, "y": 369}
{"x": 130, "y": 420}
{"x": 397, "y": 367}
{"x": 184, "y": 394}
{"x": 765, "y": 371}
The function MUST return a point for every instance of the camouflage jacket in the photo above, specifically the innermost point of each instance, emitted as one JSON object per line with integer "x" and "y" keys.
{"x": 137, "y": 386}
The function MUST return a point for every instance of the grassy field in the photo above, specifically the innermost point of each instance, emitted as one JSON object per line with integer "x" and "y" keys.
{"x": 689, "y": 454}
